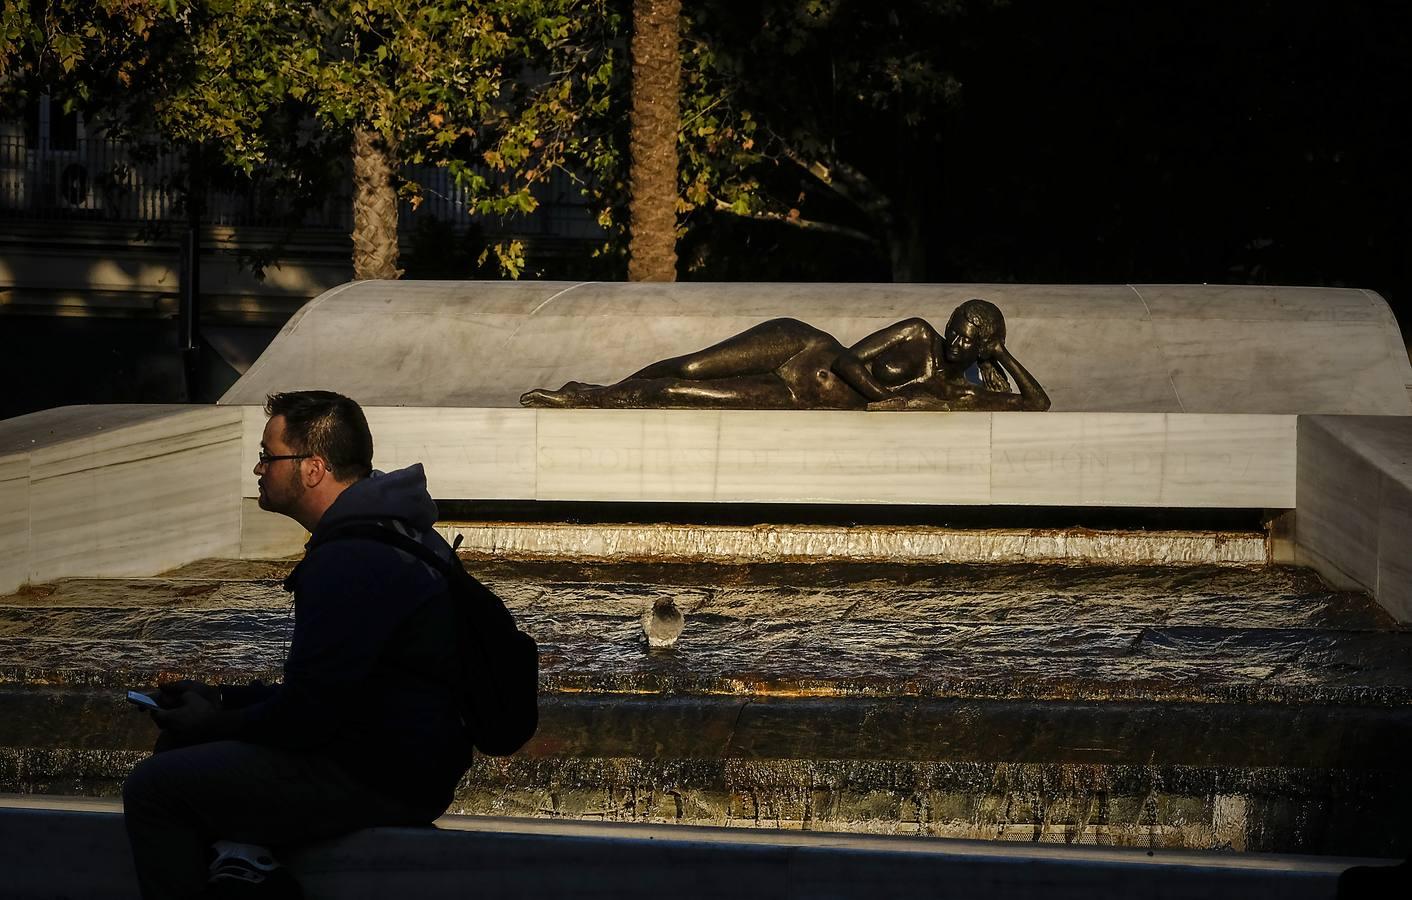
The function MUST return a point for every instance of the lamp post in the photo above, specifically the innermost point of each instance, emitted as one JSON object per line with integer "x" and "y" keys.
{"x": 189, "y": 305}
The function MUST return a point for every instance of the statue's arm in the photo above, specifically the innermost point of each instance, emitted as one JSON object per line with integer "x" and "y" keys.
{"x": 891, "y": 336}
{"x": 915, "y": 399}
{"x": 852, "y": 367}
{"x": 859, "y": 377}
{"x": 1031, "y": 395}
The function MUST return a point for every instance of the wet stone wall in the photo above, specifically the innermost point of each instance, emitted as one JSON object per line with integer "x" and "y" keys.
{"x": 1142, "y": 806}
{"x": 1200, "y": 706}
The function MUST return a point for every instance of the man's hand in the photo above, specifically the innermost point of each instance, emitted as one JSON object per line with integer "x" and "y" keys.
{"x": 169, "y": 695}
{"x": 196, "y": 713}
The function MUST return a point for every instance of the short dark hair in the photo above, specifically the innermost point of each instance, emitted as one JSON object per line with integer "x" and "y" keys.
{"x": 328, "y": 425}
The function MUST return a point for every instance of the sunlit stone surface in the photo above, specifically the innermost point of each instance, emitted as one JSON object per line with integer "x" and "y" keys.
{"x": 119, "y": 489}
{"x": 831, "y": 456}
{"x": 1355, "y": 504}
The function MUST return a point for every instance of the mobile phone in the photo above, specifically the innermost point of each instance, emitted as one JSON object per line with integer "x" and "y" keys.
{"x": 142, "y": 700}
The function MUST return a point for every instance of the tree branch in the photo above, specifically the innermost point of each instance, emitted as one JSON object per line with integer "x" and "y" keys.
{"x": 798, "y": 222}
{"x": 844, "y": 180}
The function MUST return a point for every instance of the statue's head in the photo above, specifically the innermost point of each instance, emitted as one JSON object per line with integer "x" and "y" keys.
{"x": 971, "y": 330}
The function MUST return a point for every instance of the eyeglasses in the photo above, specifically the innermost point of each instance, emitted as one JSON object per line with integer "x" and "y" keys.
{"x": 265, "y": 459}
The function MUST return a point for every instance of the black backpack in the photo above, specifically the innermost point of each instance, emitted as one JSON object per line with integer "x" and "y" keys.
{"x": 500, "y": 663}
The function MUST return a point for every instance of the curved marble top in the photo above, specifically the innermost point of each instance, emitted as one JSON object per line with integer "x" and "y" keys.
{"x": 1103, "y": 348}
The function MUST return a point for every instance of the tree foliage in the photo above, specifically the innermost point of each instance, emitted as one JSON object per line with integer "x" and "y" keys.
{"x": 812, "y": 115}
{"x": 492, "y": 90}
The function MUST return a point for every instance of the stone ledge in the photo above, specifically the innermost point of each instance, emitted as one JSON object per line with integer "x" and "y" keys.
{"x": 1283, "y": 738}
{"x": 54, "y": 847}
{"x": 1280, "y": 780}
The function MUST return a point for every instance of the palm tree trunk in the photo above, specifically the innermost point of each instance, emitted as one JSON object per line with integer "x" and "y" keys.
{"x": 374, "y": 208}
{"x": 652, "y": 178}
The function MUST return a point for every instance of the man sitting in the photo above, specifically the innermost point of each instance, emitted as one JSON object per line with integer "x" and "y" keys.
{"x": 365, "y": 727}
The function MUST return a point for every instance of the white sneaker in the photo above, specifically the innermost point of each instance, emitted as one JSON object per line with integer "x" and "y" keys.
{"x": 241, "y": 870}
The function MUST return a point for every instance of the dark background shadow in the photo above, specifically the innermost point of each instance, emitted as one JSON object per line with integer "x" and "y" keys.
{"x": 1096, "y": 141}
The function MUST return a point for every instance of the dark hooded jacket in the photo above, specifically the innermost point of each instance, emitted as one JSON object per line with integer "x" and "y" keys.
{"x": 371, "y": 677}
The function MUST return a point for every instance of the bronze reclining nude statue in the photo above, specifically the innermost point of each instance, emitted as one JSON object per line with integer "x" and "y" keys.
{"x": 788, "y": 364}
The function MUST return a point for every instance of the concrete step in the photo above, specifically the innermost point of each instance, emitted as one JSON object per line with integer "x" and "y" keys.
{"x": 63, "y": 847}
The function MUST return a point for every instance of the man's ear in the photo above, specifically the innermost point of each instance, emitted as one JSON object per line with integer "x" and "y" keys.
{"x": 315, "y": 471}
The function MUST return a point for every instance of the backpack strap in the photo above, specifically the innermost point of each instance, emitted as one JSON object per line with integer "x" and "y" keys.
{"x": 372, "y": 531}
{"x": 462, "y": 583}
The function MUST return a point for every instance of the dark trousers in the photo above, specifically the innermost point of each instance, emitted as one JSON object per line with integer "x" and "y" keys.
{"x": 177, "y": 803}
{"x": 1375, "y": 882}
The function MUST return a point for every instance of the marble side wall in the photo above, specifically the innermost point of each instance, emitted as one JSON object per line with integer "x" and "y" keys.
{"x": 133, "y": 490}
{"x": 1353, "y": 510}
{"x": 116, "y": 490}
{"x": 14, "y": 520}
{"x": 265, "y": 535}
{"x": 1044, "y": 459}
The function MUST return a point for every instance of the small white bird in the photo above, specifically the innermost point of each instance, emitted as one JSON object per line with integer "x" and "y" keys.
{"x": 662, "y": 623}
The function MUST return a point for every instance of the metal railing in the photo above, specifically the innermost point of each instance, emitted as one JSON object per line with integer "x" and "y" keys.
{"x": 100, "y": 179}
{"x": 88, "y": 179}
{"x": 562, "y": 211}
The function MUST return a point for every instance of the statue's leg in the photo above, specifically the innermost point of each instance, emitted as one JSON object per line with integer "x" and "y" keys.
{"x": 759, "y": 350}
{"x": 742, "y": 392}
{"x": 569, "y": 395}
{"x": 629, "y": 393}
{"x": 745, "y": 392}
{"x": 544, "y": 398}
